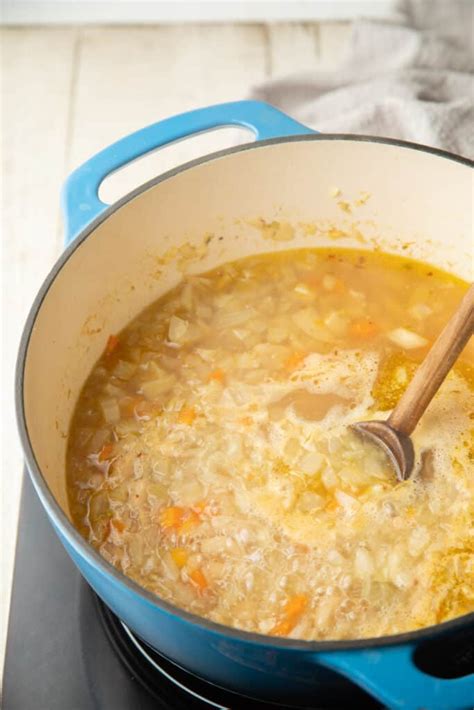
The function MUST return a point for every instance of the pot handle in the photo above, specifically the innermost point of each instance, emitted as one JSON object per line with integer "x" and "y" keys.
{"x": 391, "y": 676}
{"x": 80, "y": 200}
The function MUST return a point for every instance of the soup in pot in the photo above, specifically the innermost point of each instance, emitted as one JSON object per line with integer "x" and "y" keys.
{"x": 210, "y": 459}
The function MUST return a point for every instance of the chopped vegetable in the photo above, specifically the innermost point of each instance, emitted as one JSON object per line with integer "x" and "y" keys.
{"x": 187, "y": 415}
{"x": 296, "y": 605}
{"x": 294, "y": 360}
{"x": 171, "y": 518}
{"x": 155, "y": 388}
{"x": 303, "y": 290}
{"x": 217, "y": 375}
{"x": 177, "y": 330}
{"x": 407, "y": 338}
{"x": 110, "y": 410}
{"x": 198, "y": 579}
{"x": 190, "y": 521}
{"x": 124, "y": 370}
{"x": 292, "y": 611}
{"x": 180, "y": 556}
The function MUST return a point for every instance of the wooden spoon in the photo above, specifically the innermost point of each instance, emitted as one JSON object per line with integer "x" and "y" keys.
{"x": 393, "y": 436}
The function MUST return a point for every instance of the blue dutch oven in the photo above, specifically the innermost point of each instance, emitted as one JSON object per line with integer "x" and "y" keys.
{"x": 113, "y": 267}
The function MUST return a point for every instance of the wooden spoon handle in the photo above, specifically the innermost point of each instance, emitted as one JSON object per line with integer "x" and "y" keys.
{"x": 434, "y": 368}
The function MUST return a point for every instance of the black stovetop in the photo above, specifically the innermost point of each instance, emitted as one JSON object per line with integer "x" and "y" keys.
{"x": 67, "y": 651}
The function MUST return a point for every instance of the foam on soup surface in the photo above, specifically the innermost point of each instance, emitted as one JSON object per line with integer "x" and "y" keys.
{"x": 210, "y": 458}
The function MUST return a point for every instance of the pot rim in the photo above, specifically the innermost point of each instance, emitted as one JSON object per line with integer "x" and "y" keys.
{"x": 56, "y": 513}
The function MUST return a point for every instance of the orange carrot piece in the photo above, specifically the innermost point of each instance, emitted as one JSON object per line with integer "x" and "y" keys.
{"x": 363, "y": 328}
{"x": 118, "y": 524}
{"x": 283, "y": 628}
{"x": 112, "y": 345}
{"x": 296, "y": 605}
{"x": 198, "y": 579}
{"x": 217, "y": 375}
{"x": 179, "y": 556}
{"x": 106, "y": 452}
{"x": 292, "y": 362}
{"x": 292, "y": 611}
{"x": 171, "y": 518}
{"x": 187, "y": 415}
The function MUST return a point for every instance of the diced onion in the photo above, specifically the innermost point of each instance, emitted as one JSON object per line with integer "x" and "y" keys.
{"x": 177, "y": 329}
{"x": 303, "y": 290}
{"x": 154, "y": 388}
{"x": 407, "y": 339}
{"x": 363, "y": 564}
{"x": 312, "y": 462}
{"x": 124, "y": 370}
{"x": 110, "y": 410}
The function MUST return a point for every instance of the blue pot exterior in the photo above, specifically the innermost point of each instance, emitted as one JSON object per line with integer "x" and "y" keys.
{"x": 291, "y": 671}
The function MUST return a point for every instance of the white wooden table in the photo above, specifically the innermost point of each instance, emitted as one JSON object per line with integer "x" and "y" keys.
{"x": 66, "y": 93}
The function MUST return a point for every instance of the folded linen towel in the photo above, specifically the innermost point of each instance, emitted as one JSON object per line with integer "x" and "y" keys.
{"x": 412, "y": 78}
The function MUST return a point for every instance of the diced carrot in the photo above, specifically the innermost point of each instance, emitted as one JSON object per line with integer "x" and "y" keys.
{"x": 106, "y": 452}
{"x": 197, "y": 577}
{"x": 179, "y": 556}
{"x": 283, "y": 628}
{"x": 112, "y": 345}
{"x": 187, "y": 415}
{"x": 217, "y": 375}
{"x": 118, "y": 524}
{"x": 363, "y": 328}
{"x": 171, "y": 518}
{"x": 292, "y": 362}
{"x": 296, "y": 605}
{"x": 190, "y": 521}
{"x": 292, "y": 611}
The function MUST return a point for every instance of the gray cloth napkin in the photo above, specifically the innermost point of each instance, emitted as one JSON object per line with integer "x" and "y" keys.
{"x": 410, "y": 78}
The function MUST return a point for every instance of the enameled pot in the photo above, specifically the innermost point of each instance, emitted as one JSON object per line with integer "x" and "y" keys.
{"x": 420, "y": 204}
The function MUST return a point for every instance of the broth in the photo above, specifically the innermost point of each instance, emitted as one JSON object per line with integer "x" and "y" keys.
{"x": 210, "y": 460}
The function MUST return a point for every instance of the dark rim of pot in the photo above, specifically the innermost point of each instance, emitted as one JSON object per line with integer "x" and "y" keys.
{"x": 55, "y": 511}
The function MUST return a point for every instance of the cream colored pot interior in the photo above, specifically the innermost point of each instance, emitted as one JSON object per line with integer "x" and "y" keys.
{"x": 281, "y": 196}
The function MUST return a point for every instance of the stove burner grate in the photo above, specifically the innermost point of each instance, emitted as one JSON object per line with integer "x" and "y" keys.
{"x": 158, "y": 674}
